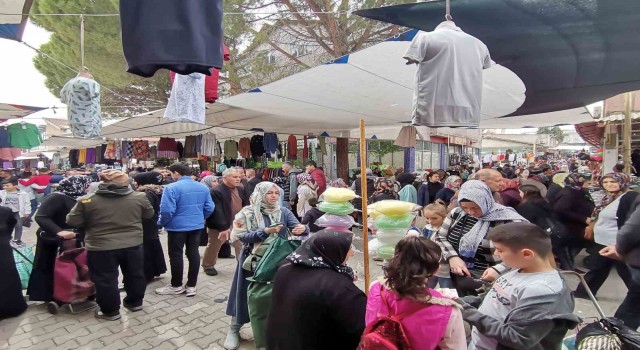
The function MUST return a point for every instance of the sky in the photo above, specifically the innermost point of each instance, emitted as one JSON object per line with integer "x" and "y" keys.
{"x": 22, "y": 83}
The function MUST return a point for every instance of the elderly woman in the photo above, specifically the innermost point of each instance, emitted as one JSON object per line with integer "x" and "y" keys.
{"x": 407, "y": 192}
{"x": 306, "y": 190}
{"x": 609, "y": 216}
{"x": 154, "y": 264}
{"x": 573, "y": 207}
{"x": 315, "y": 304}
{"x": 384, "y": 190}
{"x": 210, "y": 181}
{"x": 451, "y": 185}
{"x": 53, "y": 229}
{"x": 262, "y": 219}
{"x": 462, "y": 236}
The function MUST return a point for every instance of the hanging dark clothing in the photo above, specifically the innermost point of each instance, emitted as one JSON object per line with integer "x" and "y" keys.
{"x": 12, "y": 302}
{"x": 51, "y": 219}
{"x": 182, "y": 36}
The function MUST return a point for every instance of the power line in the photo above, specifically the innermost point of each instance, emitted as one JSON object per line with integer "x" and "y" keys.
{"x": 224, "y": 13}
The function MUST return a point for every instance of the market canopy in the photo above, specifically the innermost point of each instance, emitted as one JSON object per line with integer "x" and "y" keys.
{"x": 10, "y": 111}
{"x": 568, "y": 53}
{"x": 12, "y": 25}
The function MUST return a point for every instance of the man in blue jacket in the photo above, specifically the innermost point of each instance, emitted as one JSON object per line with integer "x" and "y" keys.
{"x": 184, "y": 207}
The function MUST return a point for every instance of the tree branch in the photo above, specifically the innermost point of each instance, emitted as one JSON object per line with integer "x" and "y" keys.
{"x": 285, "y": 53}
{"x": 305, "y": 25}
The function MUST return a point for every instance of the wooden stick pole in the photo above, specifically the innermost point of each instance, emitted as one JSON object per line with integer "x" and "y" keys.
{"x": 365, "y": 226}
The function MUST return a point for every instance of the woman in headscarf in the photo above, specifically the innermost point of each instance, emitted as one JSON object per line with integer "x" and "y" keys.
{"x": 573, "y": 207}
{"x": 509, "y": 192}
{"x": 53, "y": 229}
{"x": 315, "y": 304}
{"x": 408, "y": 192}
{"x": 384, "y": 190}
{"x": 338, "y": 183}
{"x": 462, "y": 236}
{"x": 306, "y": 190}
{"x": 210, "y": 181}
{"x": 451, "y": 186}
{"x": 609, "y": 216}
{"x": 154, "y": 264}
{"x": 428, "y": 190}
{"x": 557, "y": 184}
{"x": 256, "y": 225}
{"x": 12, "y": 302}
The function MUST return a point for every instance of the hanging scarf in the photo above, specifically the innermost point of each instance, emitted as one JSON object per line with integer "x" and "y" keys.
{"x": 385, "y": 186}
{"x": 252, "y": 216}
{"x": 477, "y": 192}
{"x": 449, "y": 182}
{"x": 623, "y": 181}
{"x": 74, "y": 186}
{"x": 325, "y": 249}
{"x": 575, "y": 181}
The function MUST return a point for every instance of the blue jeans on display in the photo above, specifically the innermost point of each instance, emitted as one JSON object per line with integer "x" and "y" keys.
{"x": 628, "y": 311}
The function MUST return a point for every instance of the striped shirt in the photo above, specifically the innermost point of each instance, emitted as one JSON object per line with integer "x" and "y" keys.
{"x": 463, "y": 226}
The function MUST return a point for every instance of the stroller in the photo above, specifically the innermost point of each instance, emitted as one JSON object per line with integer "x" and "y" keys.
{"x": 603, "y": 334}
{"x": 71, "y": 283}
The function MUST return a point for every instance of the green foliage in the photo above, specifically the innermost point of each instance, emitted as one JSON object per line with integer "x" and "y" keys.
{"x": 381, "y": 148}
{"x": 555, "y": 132}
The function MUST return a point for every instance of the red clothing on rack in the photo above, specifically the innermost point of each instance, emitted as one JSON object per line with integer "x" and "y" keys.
{"x": 305, "y": 149}
{"x": 292, "y": 148}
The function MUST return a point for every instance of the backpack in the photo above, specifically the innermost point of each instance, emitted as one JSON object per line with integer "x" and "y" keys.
{"x": 386, "y": 331}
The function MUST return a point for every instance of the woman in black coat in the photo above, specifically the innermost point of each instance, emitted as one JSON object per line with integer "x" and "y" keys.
{"x": 154, "y": 263}
{"x": 12, "y": 302}
{"x": 53, "y": 229}
{"x": 573, "y": 208}
{"x": 315, "y": 304}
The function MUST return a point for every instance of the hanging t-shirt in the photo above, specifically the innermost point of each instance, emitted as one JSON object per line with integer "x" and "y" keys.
{"x": 231, "y": 149}
{"x": 171, "y": 34}
{"x": 24, "y": 135}
{"x": 448, "y": 84}
{"x": 5, "y": 139}
{"x": 186, "y": 103}
{"x": 82, "y": 97}
{"x": 406, "y": 137}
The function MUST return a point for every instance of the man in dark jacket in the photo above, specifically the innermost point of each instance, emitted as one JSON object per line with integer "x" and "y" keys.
{"x": 290, "y": 186}
{"x": 229, "y": 198}
{"x": 627, "y": 248}
{"x": 112, "y": 220}
{"x": 356, "y": 186}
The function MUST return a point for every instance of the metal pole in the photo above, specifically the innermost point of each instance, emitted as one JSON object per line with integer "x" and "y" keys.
{"x": 365, "y": 226}
{"x": 626, "y": 131}
{"x": 81, "y": 43}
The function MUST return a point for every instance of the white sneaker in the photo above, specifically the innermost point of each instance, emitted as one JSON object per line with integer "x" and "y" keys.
{"x": 191, "y": 291}
{"x": 169, "y": 289}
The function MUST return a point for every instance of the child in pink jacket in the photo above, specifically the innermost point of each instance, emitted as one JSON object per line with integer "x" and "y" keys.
{"x": 437, "y": 323}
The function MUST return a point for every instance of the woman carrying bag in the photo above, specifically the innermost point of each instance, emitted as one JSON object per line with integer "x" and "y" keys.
{"x": 609, "y": 216}
{"x": 256, "y": 226}
{"x": 462, "y": 236}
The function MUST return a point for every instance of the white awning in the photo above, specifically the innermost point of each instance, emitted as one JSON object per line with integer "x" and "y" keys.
{"x": 55, "y": 142}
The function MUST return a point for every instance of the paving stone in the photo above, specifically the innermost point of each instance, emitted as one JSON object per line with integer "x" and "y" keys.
{"x": 160, "y": 338}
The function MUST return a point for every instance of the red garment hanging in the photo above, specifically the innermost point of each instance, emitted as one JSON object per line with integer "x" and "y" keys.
{"x": 292, "y": 147}
{"x": 211, "y": 81}
{"x": 305, "y": 149}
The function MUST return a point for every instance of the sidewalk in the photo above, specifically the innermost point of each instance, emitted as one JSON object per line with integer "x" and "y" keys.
{"x": 178, "y": 322}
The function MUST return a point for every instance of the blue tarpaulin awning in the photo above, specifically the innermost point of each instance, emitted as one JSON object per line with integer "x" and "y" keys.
{"x": 568, "y": 53}
{"x": 12, "y": 23}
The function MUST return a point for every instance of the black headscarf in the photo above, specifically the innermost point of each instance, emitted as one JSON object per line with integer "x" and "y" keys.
{"x": 149, "y": 178}
{"x": 326, "y": 249}
{"x": 74, "y": 186}
{"x": 405, "y": 179}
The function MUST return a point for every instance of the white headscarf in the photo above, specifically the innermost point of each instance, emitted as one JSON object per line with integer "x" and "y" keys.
{"x": 252, "y": 215}
{"x": 479, "y": 193}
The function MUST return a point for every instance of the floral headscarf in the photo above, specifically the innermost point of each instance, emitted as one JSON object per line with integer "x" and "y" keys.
{"x": 326, "y": 249}
{"x": 302, "y": 177}
{"x": 477, "y": 192}
{"x": 575, "y": 181}
{"x": 623, "y": 180}
{"x": 449, "y": 182}
{"x": 251, "y": 216}
{"x": 384, "y": 185}
{"x": 74, "y": 186}
{"x": 208, "y": 180}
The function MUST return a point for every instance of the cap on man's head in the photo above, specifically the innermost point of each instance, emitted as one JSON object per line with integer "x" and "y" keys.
{"x": 114, "y": 176}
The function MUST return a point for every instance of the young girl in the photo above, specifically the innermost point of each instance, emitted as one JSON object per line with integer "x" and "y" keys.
{"x": 435, "y": 214}
{"x": 429, "y": 320}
